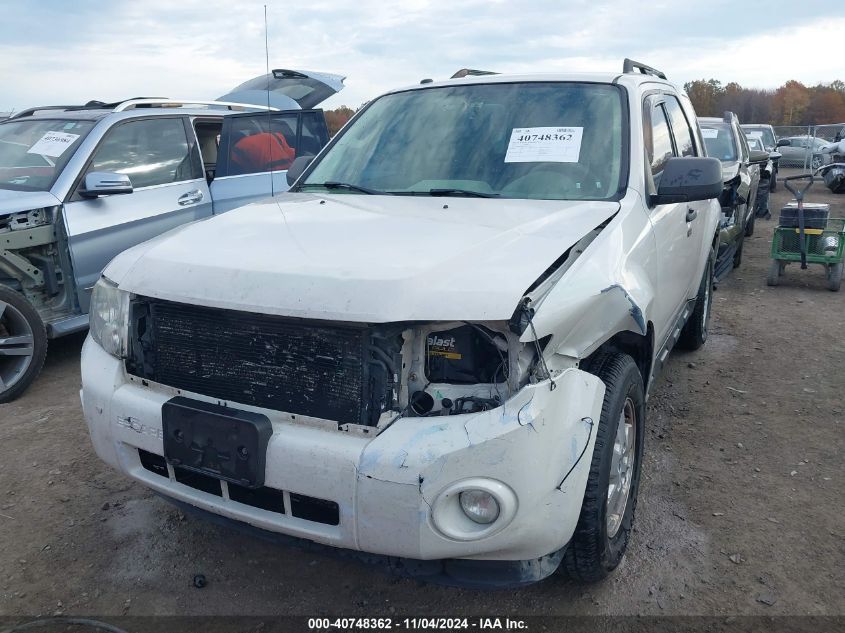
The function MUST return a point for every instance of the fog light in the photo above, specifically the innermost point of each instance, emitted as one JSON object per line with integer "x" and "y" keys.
{"x": 480, "y": 506}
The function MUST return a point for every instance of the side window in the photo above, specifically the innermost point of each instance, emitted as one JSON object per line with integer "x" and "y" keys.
{"x": 261, "y": 143}
{"x": 314, "y": 134}
{"x": 680, "y": 127}
{"x": 150, "y": 151}
{"x": 661, "y": 142}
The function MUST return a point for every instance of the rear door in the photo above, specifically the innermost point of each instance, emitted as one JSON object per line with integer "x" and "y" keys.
{"x": 160, "y": 156}
{"x": 256, "y": 149}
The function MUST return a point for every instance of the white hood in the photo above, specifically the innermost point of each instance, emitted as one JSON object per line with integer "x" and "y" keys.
{"x": 13, "y": 201}
{"x": 362, "y": 258}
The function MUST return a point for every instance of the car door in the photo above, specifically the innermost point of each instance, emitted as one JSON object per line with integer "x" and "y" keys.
{"x": 676, "y": 226}
{"x": 160, "y": 156}
{"x": 256, "y": 149}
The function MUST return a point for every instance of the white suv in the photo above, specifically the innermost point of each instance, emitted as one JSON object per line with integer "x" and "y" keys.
{"x": 438, "y": 346}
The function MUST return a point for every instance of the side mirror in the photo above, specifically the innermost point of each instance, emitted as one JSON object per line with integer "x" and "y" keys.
{"x": 758, "y": 158}
{"x": 689, "y": 179}
{"x": 104, "y": 183}
{"x": 299, "y": 165}
{"x": 775, "y": 155}
{"x": 783, "y": 142}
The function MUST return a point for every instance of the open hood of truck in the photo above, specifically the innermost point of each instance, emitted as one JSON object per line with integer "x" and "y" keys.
{"x": 14, "y": 201}
{"x": 362, "y": 258}
{"x": 289, "y": 89}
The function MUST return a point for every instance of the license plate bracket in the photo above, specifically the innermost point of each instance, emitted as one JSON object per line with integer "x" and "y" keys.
{"x": 218, "y": 441}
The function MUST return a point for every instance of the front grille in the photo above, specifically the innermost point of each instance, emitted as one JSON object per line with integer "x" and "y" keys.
{"x": 264, "y": 498}
{"x": 291, "y": 365}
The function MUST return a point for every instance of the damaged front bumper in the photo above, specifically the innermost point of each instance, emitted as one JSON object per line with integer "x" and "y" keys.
{"x": 395, "y": 494}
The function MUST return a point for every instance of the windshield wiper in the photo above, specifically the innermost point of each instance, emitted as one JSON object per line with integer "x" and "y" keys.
{"x": 342, "y": 185}
{"x": 461, "y": 192}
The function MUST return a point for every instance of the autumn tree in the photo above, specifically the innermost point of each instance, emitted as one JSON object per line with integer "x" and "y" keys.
{"x": 791, "y": 102}
{"x": 705, "y": 95}
{"x": 337, "y": 118}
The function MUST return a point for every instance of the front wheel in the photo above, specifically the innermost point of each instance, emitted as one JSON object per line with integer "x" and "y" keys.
{"x": 773, "y": 182}
{"x": 607, "y": 513}
{"x": 23, "y": 344}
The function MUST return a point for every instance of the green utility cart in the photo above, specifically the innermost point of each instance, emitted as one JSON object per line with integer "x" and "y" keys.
{"x": 807, "y": 234}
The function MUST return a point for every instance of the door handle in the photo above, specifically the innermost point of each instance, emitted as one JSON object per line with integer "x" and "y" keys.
{"x": 192, "y": 197}
{"x": 692, "y": 214}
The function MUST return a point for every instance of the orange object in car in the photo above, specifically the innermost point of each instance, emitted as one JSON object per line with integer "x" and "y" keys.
{"x": 265, "y": 151}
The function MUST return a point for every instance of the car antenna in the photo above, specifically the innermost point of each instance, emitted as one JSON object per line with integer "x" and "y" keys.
{"x": 269, "y": 118}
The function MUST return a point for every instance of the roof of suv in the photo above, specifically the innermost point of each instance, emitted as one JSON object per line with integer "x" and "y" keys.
{"x": 604, "y": 77}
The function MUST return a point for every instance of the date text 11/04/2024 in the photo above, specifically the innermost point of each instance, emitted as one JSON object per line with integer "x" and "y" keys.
{"x": 441, "y": 624}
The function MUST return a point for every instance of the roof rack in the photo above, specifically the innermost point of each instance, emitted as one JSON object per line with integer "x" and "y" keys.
{"x": 181, "y": 103}
{"x": 471, "y": 72}
{"x": 630, "y": 66}
{"x": 141, "y": 102}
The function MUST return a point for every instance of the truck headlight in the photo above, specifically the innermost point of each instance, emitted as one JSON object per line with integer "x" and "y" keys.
{"x": 108, "y": 317}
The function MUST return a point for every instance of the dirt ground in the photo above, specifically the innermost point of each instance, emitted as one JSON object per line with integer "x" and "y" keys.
{"x": 740, "y": 507}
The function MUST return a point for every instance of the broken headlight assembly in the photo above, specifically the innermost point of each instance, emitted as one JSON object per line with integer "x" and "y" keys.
{"x": 107, "y": 317}
{"x": 465, "y": 368}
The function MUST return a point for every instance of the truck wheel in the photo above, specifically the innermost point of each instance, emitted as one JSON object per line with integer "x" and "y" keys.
{"x": 749, "y": 225}
{"x": 834, "y": 277}
{"x": 607, "y": 513}
{"x": 23, "y": 344}
{"x": 738, "y": 254}
{"x": 775, "y": 271}
{"x": 694, "y": 333}
{"x": 773, "y": 181}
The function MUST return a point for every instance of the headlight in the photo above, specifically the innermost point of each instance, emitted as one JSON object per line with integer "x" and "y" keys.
{"x": 108, "y": 317}
{"x": 479, "y": 505}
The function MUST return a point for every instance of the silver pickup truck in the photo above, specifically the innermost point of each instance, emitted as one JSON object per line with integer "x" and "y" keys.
{"x": 80, "y": 184}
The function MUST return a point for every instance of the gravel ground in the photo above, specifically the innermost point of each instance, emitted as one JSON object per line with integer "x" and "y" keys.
{"x": 740, "y": 506}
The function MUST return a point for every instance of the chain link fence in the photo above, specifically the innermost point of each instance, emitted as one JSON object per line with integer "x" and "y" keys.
{"x": 802, "y": 147}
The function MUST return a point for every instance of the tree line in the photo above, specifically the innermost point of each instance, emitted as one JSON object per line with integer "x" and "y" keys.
{"x": 791, "y": 104}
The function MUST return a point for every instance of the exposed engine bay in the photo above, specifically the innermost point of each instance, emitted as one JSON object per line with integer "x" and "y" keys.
{"x": 33, "y": 263}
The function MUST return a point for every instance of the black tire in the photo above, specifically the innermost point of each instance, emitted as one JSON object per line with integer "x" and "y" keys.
{"x": 694, "y": 333}
{"x": 773, "y": 181}
{"x": 23, "y": 344}
{"x": 738, "y": 254}
{"x": 761, "y": 205}
{"x": 775, "y": 273}
{"x": 749, "y": 226}
{"x": 593, "y": 551}
{"x": 834, "y": 277}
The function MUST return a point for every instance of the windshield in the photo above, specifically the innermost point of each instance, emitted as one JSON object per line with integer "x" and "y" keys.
{"x": 767, "y": 138}
{"x": 558, "y": 141}
{"x": 719, "y": 141}
{"x": 33, "y": 152}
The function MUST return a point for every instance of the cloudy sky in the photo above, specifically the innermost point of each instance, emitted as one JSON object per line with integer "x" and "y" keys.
{"x": 58, "y": 51}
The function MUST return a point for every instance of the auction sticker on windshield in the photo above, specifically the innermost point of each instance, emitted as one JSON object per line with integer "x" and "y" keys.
{"x": 53, "y": 144}
{"x": 544, "y": 145}
{"x": 709, "y": 132}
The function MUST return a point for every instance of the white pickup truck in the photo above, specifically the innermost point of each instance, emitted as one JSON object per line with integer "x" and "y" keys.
{"x": 436, "y": 348}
